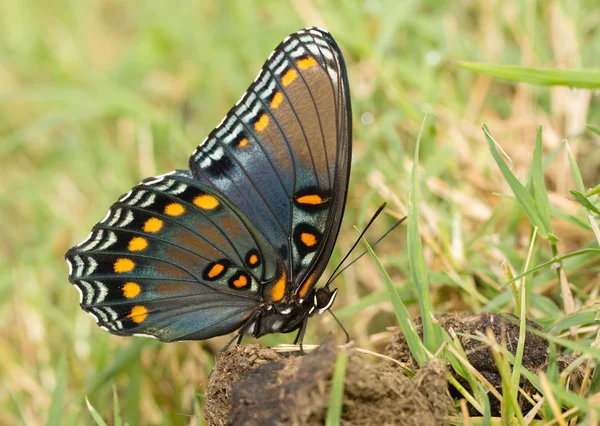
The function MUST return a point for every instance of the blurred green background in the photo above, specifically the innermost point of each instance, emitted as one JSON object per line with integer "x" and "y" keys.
{"x": 96, "y": 95}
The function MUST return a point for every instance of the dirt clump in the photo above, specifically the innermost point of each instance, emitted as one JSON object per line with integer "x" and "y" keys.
{"x": 251, "y": 385}
{"x": 506, "y": 331}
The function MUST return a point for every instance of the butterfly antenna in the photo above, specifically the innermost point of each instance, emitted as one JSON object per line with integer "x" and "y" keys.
{"x": 379, "y": 210}
{"x": 340, "y": 324}
{"x": 335, "y": 275}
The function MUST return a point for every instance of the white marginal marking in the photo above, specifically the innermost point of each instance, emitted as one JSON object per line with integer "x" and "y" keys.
{"x": 218, "y": 154}
{"x": 94, "y": 316}
{"x": 113, "y": 314}
{"x": 291, "y": 45}
{"x": 313, "y": 31}
{"x": 298, "y": 52}
{"x": 149, "y": 201}
{"x": 103, "y": 291}
{"x": 250, "y": 329}
{"x": 253, "y": 113}
{"x": 271, "y": 54}
{"x": 101, "y": 314}
{"x": 153, "y": 181}
{"x": 254, "y": 287}
{"x": 145, "y": 335}
{"x": 311, "y": 310}
{"x": 283, "y": 66}
{"x": 80, "y": 293}
{"x": 167, "y": 185}
{"x": 86, "y": 240}
{"x": 127, "y": 220}
{"x": 137, "y": 198}
{"x": 181, "y": 188}
{"x": 270, "y": 89}
{"x": 116, "y": 217}
{"x": 321, "y": 29}
{"x": 234, "y": 134}
{"x": 332, "y": 74}
{"x": 92, "y": 267}
{"x": 104, "y": 328}
{"x": 285, "y": 311}
{"x": 95, "y": 242}
{"x": 328, "y": 55}
{"x": 126, "y": 196}
{"x": 80, "y": 265}
{"x": 280, "y": 57}
{"x": 89, "y": 292}
{"x": 107, "y": 216}
{"x": 157, "y": 179}
{"x": 112, "y": 238}
{"x": 313, "y": 49}
{"x": 70, "y": 266}
{"x": 205, "y": 163}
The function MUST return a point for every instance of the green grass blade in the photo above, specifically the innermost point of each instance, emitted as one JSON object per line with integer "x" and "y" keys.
{"x": 582, "y": 78}
{"x": 582, "y": 199}
{"x": 540, "y": 194}
{"x": 593, "y": 129}
{"x": 55, "y": 415}
{"x": 336, "y": 396}
{"x": 575, "y": 172}
{"x": 404, "y": 319}
{"x": 116, "y": 408}
{"x": 416, "y": 258}
{"x": 95, "y": 415}
{"x": 523, "y": 197}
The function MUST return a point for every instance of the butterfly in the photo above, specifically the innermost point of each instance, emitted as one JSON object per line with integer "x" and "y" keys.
{"x": 238, "y": 240}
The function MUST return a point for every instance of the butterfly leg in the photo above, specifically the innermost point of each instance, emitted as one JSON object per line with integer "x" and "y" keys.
{"x": 300, "y": 336}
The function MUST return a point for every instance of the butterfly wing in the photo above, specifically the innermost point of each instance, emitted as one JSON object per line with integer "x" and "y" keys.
{"x": 282, "y": 154}
{"x": 172, "y": 259}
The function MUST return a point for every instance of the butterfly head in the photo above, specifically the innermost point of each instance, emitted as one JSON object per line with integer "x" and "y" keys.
{"x": 323, "y": 299}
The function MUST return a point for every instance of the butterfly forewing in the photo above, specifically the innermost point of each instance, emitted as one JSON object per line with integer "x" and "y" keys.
{"x": 282, "y": 154}
{"x": 171, "y": 259}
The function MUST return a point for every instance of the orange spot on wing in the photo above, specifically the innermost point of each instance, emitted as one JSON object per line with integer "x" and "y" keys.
{"x": 253, "y": 259}
{"x": 206, "y": 202}
{"x": 242, "y": 143}
{"x": 153, "y": 225}
{"x": 138, "y": 244}
{"x": 215, "y": 270}
{"x": 130, "y": 290}
{"x": 278, "y": 290}
{"x": 306, "y": 285}
{"x": 313, "y": 199}
{"x": 277, "y": 100}
{"x": 306, "y": 63}
{"x": 174, "y": 209}
{"x": 262, "y": 123}
{"x": 138, "y": 314}
{"x": 289, "y": 77}
{"x": 308, "y": 239}
{"x": 241, "y": 282}
{"x": 123, "y": 265}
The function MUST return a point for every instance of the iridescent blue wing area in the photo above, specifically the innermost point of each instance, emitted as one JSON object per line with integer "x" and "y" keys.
{"x": 282, "y": 155}
{"x": 172, "y": 259}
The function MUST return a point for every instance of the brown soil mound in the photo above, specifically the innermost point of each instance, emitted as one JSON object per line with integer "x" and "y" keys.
{"x": 251, "y": 385}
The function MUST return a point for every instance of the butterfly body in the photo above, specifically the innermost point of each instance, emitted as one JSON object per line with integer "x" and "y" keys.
{"x": 238, "y": 241}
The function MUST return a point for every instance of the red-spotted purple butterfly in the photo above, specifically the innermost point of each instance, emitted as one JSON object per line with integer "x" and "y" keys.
{"x": 238, "y": 241}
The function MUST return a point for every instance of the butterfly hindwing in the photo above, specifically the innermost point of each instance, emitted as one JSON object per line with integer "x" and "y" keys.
{"x": 282, "y": 154}
{"x": 171, "y": 259}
